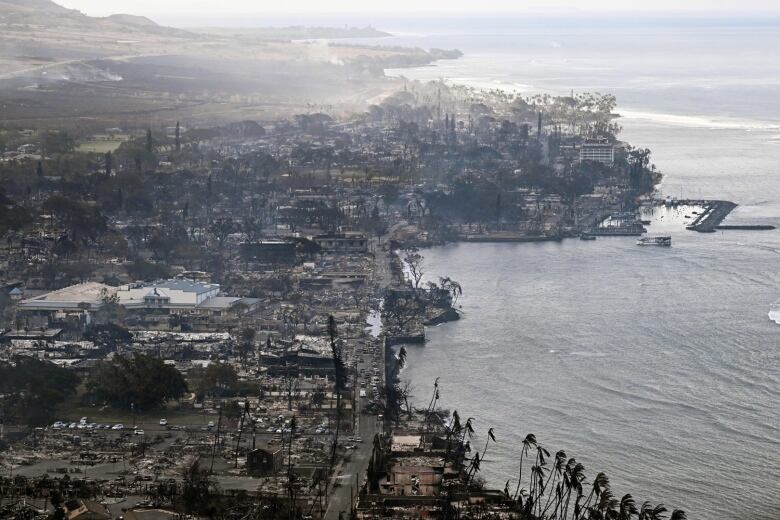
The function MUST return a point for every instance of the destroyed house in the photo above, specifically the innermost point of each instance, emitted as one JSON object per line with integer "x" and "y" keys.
{"x": 342, "y": 243}
{"x": 269, "y": 252}
{"x": 264, "y": 461}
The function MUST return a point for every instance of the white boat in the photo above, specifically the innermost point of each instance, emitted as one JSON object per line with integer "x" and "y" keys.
{"x": 655, "y": 241}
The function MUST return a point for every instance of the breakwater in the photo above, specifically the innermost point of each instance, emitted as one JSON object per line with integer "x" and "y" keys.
{"x": 759, "y": 227}
{"x": 715, "y": 211}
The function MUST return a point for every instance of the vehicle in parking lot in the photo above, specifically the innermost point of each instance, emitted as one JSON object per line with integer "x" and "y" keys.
{"x": 163, "y": 422}
{"x": 119, "y": 426}
{"x": 138, "y": 431}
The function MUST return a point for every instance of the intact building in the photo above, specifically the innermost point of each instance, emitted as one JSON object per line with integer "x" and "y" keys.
{"x": 597, "y": 151}
{"x": 166, "y": 297}
{"x": 349, "y": 242}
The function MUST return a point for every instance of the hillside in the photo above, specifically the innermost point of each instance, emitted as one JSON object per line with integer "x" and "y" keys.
{"x": 56, "y": 62}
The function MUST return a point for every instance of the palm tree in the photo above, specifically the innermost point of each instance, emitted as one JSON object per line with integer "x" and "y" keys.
{"x": 557, "y": 472}
{"x": 490, "y": 437}
{"x": 537, "y": 483}
{"x": 453, "y": 429}
{"x": 400, "y": 360}
{"x": 600, "y": 484}
{"x": 678, "y": 514}
{"x": 648, "y": 512}
{"x": 339, "y": 377}
{"x": 431, "y": 405}
{"x": 528, "y": 442}
{"x": 473, "y": 468}
{"x": 627, "y": 508}
{"x": 575, "y": 475}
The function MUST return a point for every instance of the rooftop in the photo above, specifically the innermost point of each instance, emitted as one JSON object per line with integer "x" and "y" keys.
{"x": 186, "y": 286}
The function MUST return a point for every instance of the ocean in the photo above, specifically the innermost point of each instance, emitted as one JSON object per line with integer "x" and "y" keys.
{"x": 657, "y": 366}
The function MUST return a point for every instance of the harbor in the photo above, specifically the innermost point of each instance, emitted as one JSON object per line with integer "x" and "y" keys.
{"x": 714, "y": 213}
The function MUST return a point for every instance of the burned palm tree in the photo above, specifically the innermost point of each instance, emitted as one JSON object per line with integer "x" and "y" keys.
{"x": 431, "y": 407}
{"x": 292, "y": 478}
{"x": 244, "y": 414}
{"x": 340, "y": 375}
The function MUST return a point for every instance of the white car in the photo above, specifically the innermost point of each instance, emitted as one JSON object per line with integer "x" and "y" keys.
{"x": 118, "y": 427}
{"x": 163, "y": 422}
{"x": 138, "y": 431}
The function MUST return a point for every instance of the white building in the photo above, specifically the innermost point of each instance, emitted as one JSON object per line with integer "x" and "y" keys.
{"x": 597, "y": 151}
{"x": 172, "y": 296}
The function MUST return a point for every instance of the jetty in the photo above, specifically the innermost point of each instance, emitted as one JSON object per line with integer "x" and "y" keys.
{"x": 507, "y": 236}
{"x": 758, "y": 227}
{"x": 715, "y": 211}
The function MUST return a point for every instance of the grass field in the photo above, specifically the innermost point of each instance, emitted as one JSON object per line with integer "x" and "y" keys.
{"x": 109, "y": 415}
{"x": 99, "y": 146}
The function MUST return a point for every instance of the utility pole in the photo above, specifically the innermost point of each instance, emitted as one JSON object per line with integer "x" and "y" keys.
{"x": 216, "y": 439}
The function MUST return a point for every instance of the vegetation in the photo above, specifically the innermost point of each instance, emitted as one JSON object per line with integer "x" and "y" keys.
{"x": 108, "y": 336}
{"x": 140, "y": 382}
{"x": 32, "y": 389}
{"x": 547, "y": 487}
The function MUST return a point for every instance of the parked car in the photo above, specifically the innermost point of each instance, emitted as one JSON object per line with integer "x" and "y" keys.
{"x": 119, "y": 426}
{"x": 138, "y": 431}
{"x": 163, "y": 422}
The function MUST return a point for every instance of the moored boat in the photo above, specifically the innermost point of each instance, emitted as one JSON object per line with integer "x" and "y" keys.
{"x": 655, "y": 241}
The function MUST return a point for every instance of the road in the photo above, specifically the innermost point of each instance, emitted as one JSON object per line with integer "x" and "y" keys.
{"x": 350, "y": 474}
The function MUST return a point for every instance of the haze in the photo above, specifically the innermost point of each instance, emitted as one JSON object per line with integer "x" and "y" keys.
{"x": 402, "y": 7}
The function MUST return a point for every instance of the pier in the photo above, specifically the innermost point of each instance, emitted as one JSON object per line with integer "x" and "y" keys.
{"x": 715, "y": 211}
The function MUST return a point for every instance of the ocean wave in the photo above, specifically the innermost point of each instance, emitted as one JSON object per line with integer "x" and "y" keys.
{"x": 691, "y": 121}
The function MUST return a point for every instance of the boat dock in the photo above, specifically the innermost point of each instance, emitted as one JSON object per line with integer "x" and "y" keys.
{"x": 617, "y": 231}
{"x": 715, "y": 211}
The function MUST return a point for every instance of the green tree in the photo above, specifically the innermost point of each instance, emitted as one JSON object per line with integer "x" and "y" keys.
{"x": 32, "y": 389}
{"x": 217, "y": 379}
{"x": 246, "y": 341}
{"x": 57, "y": 142}
{"x": 142, "y": 381}
{"x": 108, "y": 336}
